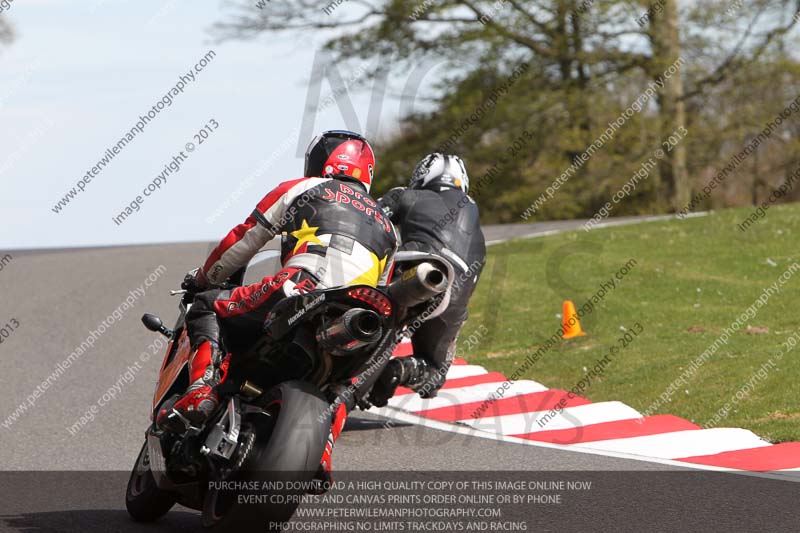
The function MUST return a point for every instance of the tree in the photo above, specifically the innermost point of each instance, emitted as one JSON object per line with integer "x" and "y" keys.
{"x": 582, "y": 49}
{"x": 666, "y": 51}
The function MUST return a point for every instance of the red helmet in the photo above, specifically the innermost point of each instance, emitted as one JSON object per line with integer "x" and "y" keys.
{"x": 341, "y": 154}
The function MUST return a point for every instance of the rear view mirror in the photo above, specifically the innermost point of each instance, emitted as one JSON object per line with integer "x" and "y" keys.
{"x": 152, "y": 322}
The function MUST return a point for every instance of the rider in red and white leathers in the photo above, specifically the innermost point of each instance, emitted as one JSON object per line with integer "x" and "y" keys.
{"x": 334, "y": 235}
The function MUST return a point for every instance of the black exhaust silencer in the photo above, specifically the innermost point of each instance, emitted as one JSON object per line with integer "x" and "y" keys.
{"x": 354, "y": 329}
{"x": 418, "y": 285}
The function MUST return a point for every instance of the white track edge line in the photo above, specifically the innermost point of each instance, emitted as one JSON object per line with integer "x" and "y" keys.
{"x": 609, "y": 224}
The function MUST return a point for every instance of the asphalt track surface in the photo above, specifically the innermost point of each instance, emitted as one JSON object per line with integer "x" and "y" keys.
{"x": 59, "y": 296}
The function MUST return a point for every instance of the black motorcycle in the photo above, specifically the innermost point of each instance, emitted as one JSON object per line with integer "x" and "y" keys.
{"x": 318, "y": 351}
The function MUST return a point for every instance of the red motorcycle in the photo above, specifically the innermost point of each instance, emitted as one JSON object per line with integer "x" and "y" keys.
{"x": 320, "y": 352}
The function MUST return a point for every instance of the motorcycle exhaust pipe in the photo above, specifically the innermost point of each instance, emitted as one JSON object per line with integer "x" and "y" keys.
{"x": 354, "y": 329}
{"x": 418, "y": 285}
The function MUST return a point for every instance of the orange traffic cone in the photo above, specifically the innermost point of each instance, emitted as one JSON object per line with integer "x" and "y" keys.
{"x": 569, "y": 321}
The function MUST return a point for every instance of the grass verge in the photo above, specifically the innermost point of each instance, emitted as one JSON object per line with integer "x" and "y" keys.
{"x": 691, "y": 279}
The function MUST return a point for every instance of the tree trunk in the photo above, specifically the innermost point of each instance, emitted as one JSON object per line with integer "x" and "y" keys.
{"x": 666, "y": 51}
{"x": 569, "y": 46}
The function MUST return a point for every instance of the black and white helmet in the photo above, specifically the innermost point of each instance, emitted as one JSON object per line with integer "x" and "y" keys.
{"x": 440, "y": 170}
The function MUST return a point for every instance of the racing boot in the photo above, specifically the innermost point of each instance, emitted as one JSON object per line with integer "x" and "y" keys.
{"x": 207, "y": 370}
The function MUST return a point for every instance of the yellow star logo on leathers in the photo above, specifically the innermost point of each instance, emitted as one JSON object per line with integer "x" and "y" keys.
{"x": 371, "y": 276}
{"x": 305, "y": 234}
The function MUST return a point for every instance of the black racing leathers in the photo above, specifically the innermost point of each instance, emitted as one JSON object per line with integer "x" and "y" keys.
{"x": 445, "y": 222}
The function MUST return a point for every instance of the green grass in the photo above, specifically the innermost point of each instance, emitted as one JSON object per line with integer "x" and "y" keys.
{"x": 692, "y": 279}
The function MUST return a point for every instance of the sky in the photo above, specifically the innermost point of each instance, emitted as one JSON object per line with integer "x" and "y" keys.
{"x": 80, "y": 74}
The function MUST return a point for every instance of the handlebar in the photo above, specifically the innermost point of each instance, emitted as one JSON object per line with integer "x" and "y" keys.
{"x": 224, "y": 286}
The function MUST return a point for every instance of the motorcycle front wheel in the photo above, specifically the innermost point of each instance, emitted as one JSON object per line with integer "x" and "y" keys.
{"x": 144, "y": 500}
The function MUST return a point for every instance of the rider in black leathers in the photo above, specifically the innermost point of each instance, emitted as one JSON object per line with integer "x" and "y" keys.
{"x": 435, "y": 214}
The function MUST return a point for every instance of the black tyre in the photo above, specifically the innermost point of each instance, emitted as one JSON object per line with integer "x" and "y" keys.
{"x": 144, "y": 500}
{"x": 288, "y": 445}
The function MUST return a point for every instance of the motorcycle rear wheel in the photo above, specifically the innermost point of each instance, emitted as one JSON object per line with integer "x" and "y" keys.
{"x": 144, "y": 500}
{"x": 288, "y": 447}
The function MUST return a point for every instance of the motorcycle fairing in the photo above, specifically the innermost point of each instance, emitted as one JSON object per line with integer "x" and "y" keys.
{"x": 172, "y": 369}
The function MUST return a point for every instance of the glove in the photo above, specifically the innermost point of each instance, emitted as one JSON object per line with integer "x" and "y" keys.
{"x": 193, "y": 282}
